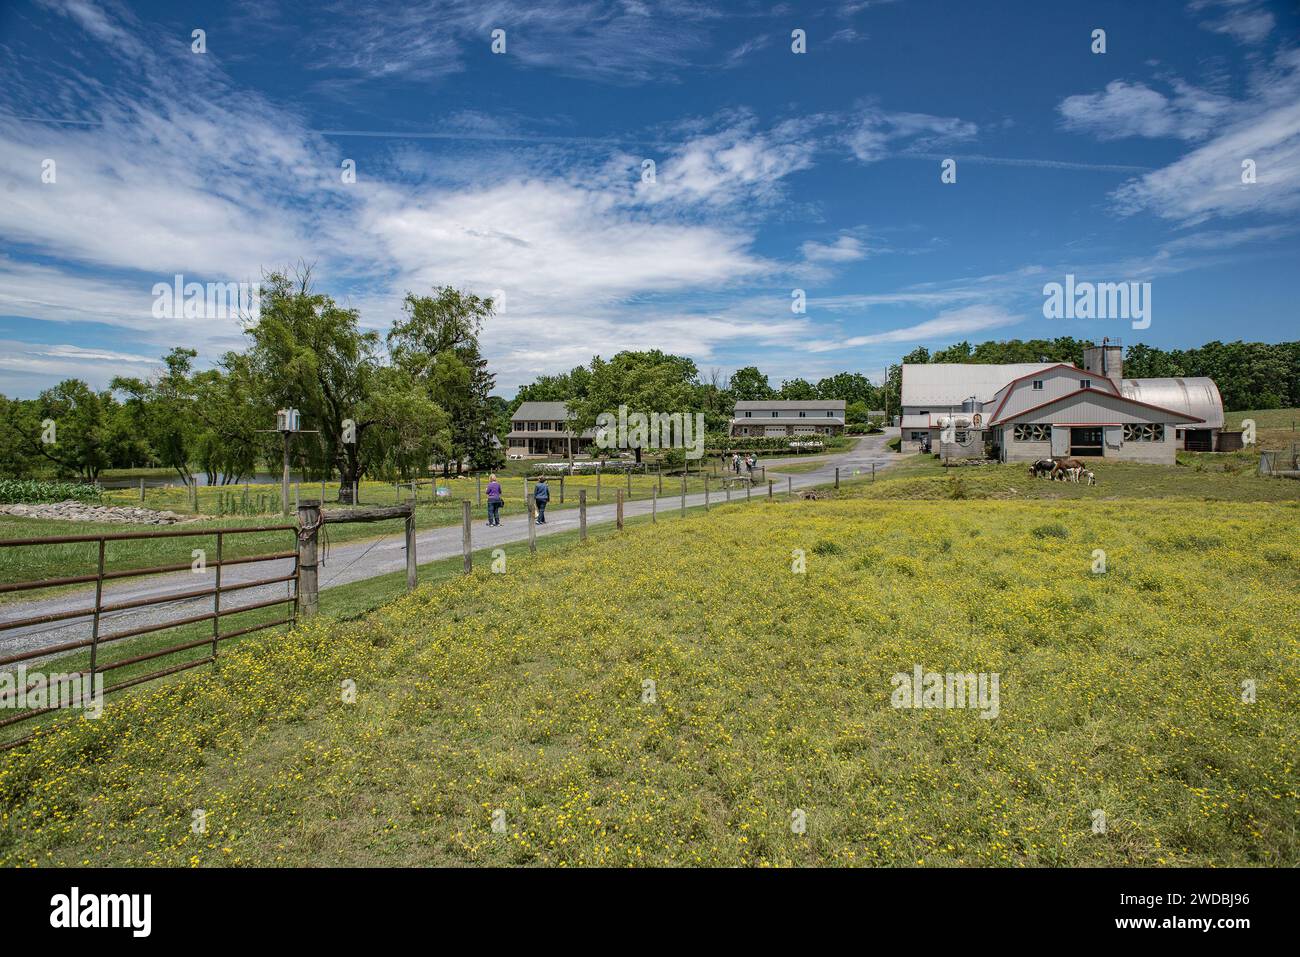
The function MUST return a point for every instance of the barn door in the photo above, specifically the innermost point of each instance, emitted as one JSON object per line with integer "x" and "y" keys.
{"x": 1060, "y": 441}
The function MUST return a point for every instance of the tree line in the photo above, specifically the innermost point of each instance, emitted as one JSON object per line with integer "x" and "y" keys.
{"x": 369, "y": 405}
{"x": 390, "y": 406}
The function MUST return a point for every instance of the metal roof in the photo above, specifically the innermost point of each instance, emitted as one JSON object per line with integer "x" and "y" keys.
{"x": 555, "y": 411}
{"x": 946, "y": 384}
{"x": 794, "y": 405}
{"x": 1198, "y": 397}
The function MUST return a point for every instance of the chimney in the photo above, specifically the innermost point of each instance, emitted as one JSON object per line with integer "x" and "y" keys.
{"x": 1105, "y": 359}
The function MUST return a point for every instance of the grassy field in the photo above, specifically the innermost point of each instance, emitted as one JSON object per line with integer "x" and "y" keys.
{"x": 1202, "y": 478}
{"x": 525, "y": 694}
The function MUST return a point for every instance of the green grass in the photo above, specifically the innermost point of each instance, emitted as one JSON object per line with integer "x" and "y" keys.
{"x": 525, "y": 692}
{"x": 925, "y": 477}
{"x": 343, "y": 602}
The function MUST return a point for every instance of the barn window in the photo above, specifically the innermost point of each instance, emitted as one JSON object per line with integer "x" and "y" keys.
{"x": 1085, "y": 383}
{"x": 1137, "y": 432}
{"x": 1032, "y": 433}
{"x": 1038, "y": 385}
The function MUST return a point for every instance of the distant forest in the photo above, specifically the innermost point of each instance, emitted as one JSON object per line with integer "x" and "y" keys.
{"x": 1250, "y": 375}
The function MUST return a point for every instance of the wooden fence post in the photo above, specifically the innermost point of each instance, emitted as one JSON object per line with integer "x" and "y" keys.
{"x": 309, "y": 520}
{"x": 628, "y": 473}
{"x": 654, "y": 505}
{"x": 661, "y": 477}
{"x": 142, "y": 490}
{"x": 683, "y": 495}
{"x": 561, "y": 489}
{"x": 789, "y": 486}
{"x": 706, "y": 493}
{"x": 618, "y": 507}
{"x": 478, "y": 489}
{"x": 465, "y": 545}
{"x": 873, "y": 471}
{"x": 749, "y": 487}
{"x": 532, "y": 525}
{"x": 597, "y": 481}
{"x": 582, "y": 514}
{"x": 726, "y": 486}
{"x": 837, "y": 476}
{"x": 410, "y": 551}
{"x": 770, "y": 483}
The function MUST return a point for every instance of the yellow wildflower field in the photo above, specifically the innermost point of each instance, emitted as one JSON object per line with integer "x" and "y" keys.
{"x": 719, "y": 691}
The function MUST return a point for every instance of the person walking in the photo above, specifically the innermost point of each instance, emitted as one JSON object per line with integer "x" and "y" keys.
{"x": 495, "y": 500}
{"x": 541, "y": 495}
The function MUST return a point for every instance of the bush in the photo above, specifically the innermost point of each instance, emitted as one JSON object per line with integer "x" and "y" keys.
{"x": 33, "y": 492}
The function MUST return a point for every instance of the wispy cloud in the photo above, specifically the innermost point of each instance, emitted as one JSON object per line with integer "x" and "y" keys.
{"x": 875, "y": 133}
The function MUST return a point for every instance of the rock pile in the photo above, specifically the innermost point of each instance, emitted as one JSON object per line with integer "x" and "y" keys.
{"x": 71, "y": 511}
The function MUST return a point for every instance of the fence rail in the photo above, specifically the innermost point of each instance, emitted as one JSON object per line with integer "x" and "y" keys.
{"x": 96, "y": 611}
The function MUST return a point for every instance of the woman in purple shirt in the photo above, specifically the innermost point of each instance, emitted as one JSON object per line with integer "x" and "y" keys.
{"x": 494, "y": 500}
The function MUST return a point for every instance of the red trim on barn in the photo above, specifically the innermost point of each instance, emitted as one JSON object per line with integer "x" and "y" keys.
{"x": 1145, "y": 405}
{"x": 1083, "y": 374}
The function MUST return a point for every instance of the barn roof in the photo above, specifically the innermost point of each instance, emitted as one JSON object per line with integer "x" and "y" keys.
{"x": 950, "y": 383}
{"x": 1198, "y": 397}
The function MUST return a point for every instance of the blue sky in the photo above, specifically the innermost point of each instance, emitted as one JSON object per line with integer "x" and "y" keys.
{"x": 523, "y": 172}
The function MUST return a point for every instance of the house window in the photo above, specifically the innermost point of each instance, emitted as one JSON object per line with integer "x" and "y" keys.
{"x": 748, "y": 414}
{"x": 919, "y": 436}
{"x": 774, "y": 415}
{"x": 803, "y": 415}
{"x": 830, "y": 413}
{"x": 1138, "y": 432}
{"x": 1178, "y": 433}
{"x": 1032, "y": 433}
{"x": 532, "y": 426}
{"x": 1085, "y": 383}
{"x": 1038, "y": 385}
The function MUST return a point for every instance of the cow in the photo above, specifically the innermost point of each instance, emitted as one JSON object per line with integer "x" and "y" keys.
{"x": 1041, "y": 467}
{"x": 1061, "y": 472}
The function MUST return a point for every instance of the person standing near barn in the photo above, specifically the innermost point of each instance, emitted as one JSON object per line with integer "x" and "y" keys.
{"x": 495, "y": 500}
{"x": 541, "y": 495}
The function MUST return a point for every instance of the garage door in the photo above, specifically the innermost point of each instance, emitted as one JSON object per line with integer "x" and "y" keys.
{"x": 774, "y": 430}
{"x": 805, "y": 430}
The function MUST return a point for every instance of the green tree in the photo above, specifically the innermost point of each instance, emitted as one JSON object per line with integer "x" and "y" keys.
{"x": 437, "y": 343}
{"x": 645, "y": 382}
{"x": 750, "y": 385}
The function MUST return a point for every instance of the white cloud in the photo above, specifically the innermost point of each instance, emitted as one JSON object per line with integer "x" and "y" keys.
{"x": 843, "y": 250}
{"x": 1265, "y": 129}
{"x": 951, "y": 322}
{"x": 1134, "y": 109}
{"x": 874, "y": 133}
{"x": 1243, "y": 20}
{"x": 733, "y": 165}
